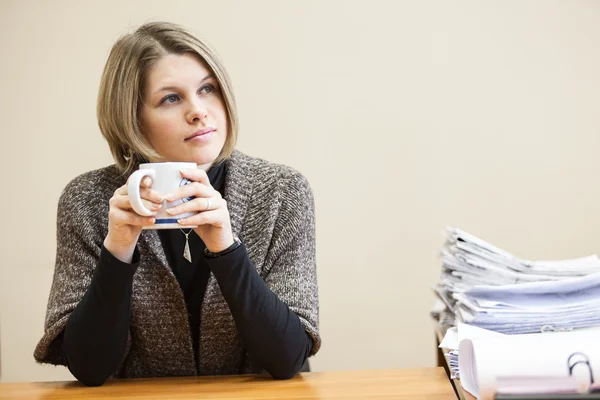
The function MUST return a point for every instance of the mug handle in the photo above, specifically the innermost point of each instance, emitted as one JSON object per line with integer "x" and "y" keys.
{"x": 133, "y": 188}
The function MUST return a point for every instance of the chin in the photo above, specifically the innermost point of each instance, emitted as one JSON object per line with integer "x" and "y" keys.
{"x": 205, "y": 158}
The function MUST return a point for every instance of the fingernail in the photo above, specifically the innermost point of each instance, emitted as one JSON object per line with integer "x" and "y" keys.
{"x": 170, "y": 197}
{"x": 156, "y": 206}
{"x": 170, "y": 211}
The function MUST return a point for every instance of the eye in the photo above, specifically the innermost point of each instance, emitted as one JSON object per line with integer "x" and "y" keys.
{"x": 207, "y": 89}
{"x": 170, "y": 99}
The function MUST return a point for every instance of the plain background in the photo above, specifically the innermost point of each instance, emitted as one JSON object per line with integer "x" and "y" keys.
{"x": 406, "y": 117}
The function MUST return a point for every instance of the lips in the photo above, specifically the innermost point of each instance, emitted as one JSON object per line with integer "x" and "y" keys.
{"x": 201, "y": 132}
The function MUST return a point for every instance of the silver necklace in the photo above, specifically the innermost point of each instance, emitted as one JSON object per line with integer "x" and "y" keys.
{"x": 186, "y": 250}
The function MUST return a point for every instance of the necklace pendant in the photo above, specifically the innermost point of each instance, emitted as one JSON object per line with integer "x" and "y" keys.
{"x": 186, "y": 251}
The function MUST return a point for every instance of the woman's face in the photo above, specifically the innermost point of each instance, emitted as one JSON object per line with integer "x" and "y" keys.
{"x": 183, "y": 115}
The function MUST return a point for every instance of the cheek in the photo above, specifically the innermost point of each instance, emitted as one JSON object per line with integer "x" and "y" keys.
{"x": 158, "y": 126}
{"x": 221, "y": 116}
{"x": 224, "y": 122}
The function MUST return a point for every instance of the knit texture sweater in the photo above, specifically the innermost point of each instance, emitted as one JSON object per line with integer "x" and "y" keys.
{"x": 272, "y": 211}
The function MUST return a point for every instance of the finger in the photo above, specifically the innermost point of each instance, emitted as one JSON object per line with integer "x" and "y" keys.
{"x": 201, "y": 204}
{"x": 213, "y": 217}
{"x": 196, "y": 175}
{"x": 151, "y": 195}
{"x": 120, "y": 217}
{"x": 122, "y": 191}
{"x": 123, "y": 203}
{"x": 146, "y": 182}
{"x": 194, "y": 189}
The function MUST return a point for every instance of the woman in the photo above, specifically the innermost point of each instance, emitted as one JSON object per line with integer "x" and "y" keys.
{"x": 125, "y": 302}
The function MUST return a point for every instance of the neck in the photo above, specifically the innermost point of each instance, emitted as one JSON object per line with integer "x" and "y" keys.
{"x": 205, "y": 167}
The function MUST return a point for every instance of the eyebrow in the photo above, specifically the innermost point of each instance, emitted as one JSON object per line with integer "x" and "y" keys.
{"x": 174, "y": 88}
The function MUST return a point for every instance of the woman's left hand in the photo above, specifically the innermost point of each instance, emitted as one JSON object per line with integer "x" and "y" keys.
{"x": 214, "y": 224}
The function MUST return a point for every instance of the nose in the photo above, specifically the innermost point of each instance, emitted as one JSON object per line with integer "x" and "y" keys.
{"x": 196, "y": 112}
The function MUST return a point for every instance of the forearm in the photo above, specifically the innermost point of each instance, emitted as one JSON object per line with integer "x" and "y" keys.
{"x": 272, "y": 333}
{"x": 96, "y": 333}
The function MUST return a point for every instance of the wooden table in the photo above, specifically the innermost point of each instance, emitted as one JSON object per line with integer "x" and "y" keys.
{"x": 418, "y": 383}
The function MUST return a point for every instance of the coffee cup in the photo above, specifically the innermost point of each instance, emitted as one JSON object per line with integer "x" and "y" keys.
{"x": 166, "y": 178}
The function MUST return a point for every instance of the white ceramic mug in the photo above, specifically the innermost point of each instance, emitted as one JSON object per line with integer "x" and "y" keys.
{"x": 166, "y": 178}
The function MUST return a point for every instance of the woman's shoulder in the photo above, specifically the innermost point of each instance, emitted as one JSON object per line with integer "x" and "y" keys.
{"x": 96, "y": 186}
{"x": 263, "y": 173}
{"x": 272, "y": 192}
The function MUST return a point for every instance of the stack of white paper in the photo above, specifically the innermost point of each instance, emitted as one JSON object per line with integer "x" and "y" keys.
{"x": 483, "y": 286}
{"x": 533, "y": 307}
{"x": 468, "y": 261}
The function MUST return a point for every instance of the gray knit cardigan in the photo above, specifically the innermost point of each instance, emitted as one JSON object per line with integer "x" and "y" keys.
{"x": 272, "y": 211}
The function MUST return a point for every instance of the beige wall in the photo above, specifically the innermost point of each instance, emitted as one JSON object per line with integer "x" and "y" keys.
{"x": 406, "y": 116}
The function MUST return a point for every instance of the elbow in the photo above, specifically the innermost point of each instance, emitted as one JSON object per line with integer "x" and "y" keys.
{"x": 284, "y": 375}
{"x": 288, "y": 367}
{"x": 285, "y": 371}
{"x": 91, "y": 380}
{"x": 86, "y": 376}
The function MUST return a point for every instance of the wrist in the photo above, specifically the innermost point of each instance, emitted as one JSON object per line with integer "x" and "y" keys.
{"x": 236, "y": 242}
{"x": 216, "y": 246}
{"x": 121, "y": 251}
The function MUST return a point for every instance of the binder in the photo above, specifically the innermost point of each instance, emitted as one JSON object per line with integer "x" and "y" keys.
{"x": 568, "y": 388}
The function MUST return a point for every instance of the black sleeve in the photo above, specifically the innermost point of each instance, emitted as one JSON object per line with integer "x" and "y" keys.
{"x": 95, "y": 336}
{"x": 272, "y": 333}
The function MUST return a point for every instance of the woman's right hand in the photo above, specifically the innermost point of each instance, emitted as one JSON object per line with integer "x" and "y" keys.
{"x": 124, "y": 224}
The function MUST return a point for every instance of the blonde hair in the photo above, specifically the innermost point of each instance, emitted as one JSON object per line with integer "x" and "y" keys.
{"x": 120, "y": 97}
